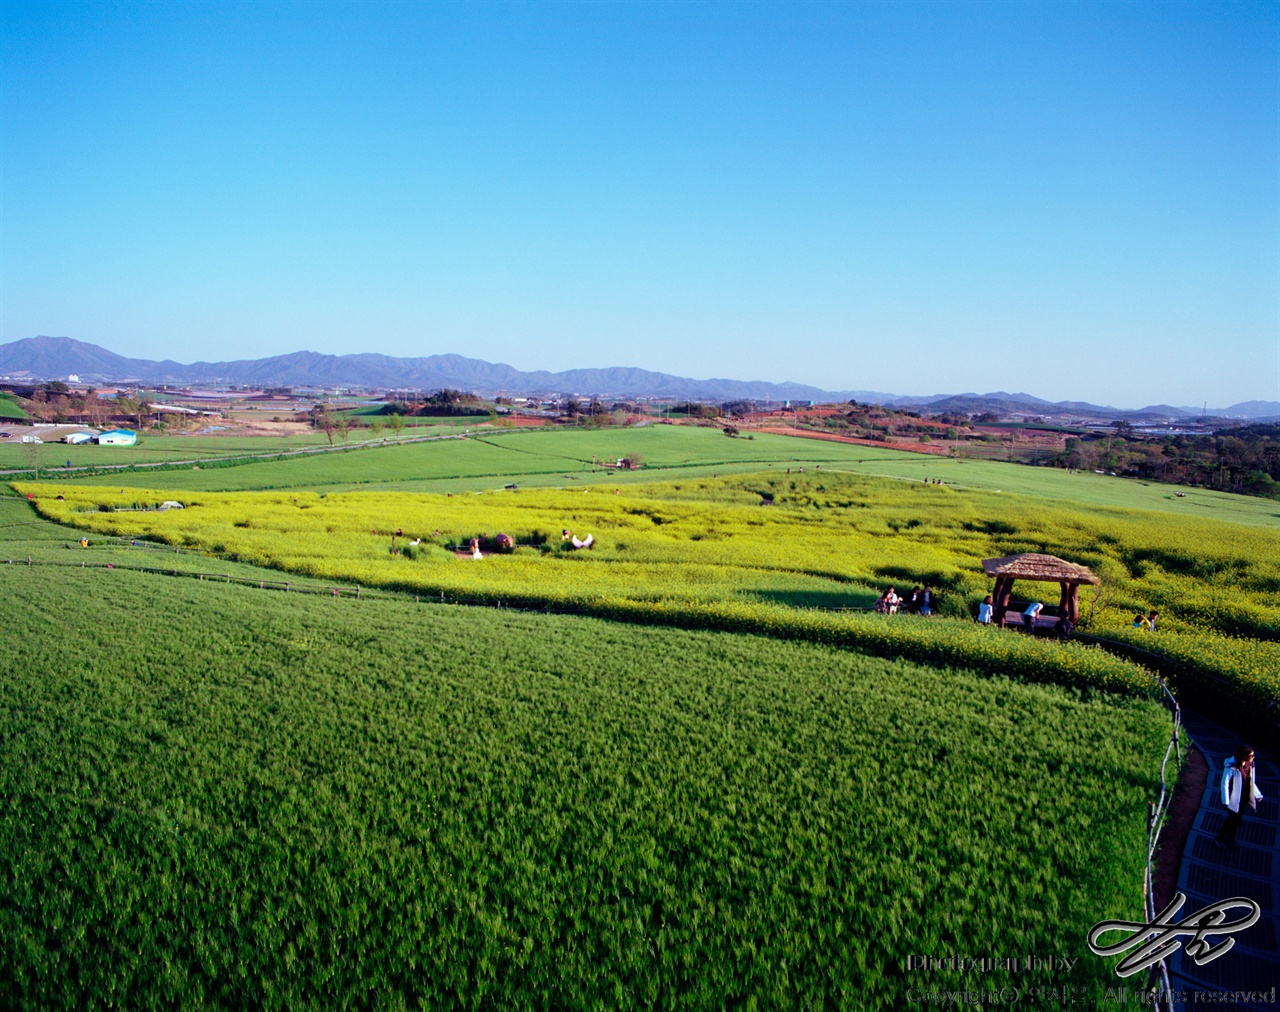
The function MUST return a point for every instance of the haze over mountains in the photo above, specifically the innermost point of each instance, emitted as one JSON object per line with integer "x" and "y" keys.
{"x": 50, "y": 358}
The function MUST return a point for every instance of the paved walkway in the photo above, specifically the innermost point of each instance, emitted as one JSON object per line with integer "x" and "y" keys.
{"x": 1209, "y": 874}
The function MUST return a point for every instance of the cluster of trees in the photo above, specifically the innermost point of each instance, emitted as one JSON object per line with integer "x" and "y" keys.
{"x": 596, "y": 413}
{"x": 446, "y": 402}
{"x": 867, "y": 421}
{"x": 1245, "y": 459}
{"x": 57, "y": 403}
{"x": 337, "y": 425}
{"x": 694, "y": 409}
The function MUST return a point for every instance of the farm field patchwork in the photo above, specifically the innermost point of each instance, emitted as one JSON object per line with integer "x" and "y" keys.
{"x": 235, "y": 796}
{"x": 840, "y": 528}
{"x": 153, "y": 449}
{"x": 216, "y": 795}
{"x": 490, "y": 459}
{"x": 712, "y": 553}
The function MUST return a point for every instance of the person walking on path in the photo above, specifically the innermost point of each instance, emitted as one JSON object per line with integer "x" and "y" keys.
{"x": 1238, "y": 786}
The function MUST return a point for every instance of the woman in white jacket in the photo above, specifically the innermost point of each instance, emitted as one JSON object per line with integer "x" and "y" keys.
{"x": 1237, "y": 786}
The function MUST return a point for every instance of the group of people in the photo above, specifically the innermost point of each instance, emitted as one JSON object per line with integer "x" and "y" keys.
{"x": 499, "y": 543}
{"x": 918, "y": 602}
{"x": 1063, "y": 628}
{"x": 921, "y": 600}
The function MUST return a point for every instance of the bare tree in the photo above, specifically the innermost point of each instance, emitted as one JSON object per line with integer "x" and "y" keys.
{"x": 33, "y": 451}
{"x": 322, "y": 419}
{"x": 93, "y": 407}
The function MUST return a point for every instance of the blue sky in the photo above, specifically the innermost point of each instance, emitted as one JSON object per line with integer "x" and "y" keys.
{"x": 1076, "y": 201}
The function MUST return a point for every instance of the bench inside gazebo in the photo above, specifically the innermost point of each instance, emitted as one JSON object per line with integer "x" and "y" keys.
{"x": 1044, "y": 568}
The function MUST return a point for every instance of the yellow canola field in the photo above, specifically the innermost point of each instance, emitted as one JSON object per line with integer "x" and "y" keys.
{"x": 759, "y": 547}
{"x": 673, "y": 542}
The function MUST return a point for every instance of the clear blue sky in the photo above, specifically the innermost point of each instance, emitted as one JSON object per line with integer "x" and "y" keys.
{"x": 1074, "y": 200}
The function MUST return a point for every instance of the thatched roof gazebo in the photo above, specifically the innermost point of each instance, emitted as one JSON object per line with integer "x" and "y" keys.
{"x": 1045, "y": 568}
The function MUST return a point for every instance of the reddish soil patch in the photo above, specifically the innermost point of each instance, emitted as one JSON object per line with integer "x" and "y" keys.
{"x": 831, "y": 437}
{"x": 1182, "y": 814}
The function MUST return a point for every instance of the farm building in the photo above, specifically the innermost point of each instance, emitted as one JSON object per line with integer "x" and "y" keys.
{"x": 78, "y": 437}
{"x": 118, "y": 437}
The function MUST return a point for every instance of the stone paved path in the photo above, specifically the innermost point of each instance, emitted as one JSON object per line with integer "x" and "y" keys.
{"x": 1209, "y": 873}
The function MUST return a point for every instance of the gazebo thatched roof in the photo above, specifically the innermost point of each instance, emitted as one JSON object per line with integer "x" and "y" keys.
{"x": 1034, "y": 566}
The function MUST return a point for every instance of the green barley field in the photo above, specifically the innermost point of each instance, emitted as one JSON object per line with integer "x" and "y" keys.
{"x": 221, "y": 796}
{"x": 682, "y": 769}
{"x": 208, "y": 447}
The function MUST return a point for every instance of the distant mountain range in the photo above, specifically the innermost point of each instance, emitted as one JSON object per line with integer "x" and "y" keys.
{"x": 59, "y": 357}
{"x": 1021, "y": 404}
{"x": 50, "y": 358}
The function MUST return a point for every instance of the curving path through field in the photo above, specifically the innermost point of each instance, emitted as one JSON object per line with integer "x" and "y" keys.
{"x": 1209, "y": 873}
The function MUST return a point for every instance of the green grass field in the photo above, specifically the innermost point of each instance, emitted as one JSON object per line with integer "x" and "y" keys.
{"x": 10, "y": 408}
{"x": 153, "y": 448}
{"x": 220, "y": 796}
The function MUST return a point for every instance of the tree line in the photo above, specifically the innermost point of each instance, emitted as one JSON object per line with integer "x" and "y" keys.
{"x": 1245, "y": 459}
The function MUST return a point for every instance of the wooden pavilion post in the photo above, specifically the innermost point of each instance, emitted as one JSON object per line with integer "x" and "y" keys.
{"x": 1000, "y": 598}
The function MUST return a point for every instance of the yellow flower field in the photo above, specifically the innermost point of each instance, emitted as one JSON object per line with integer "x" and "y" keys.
{"x": 784, "y": 554}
